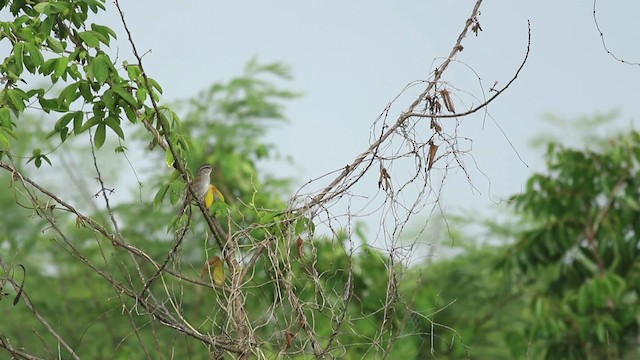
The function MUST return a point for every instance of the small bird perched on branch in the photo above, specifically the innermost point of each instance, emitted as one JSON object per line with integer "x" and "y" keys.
{"x": 200, "y": 183}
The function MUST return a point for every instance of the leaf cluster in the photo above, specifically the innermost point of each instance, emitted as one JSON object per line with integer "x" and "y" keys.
{"x": 579, "y": 249}
{"x": 51, "y": 43}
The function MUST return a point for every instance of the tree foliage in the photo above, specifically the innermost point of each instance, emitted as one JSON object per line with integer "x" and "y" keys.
{"x": 563, "y": 281}
{"x": 579, "y": 248}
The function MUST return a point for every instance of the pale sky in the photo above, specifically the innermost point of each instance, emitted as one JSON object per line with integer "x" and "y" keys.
{"x": 350, "y": 58}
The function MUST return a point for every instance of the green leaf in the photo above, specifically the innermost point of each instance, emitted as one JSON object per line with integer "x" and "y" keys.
{"x": 25, "y": 33}
{"x": 115, "y": 126}
{"x": 55, "y": 45}
{"x": 131, "y": 114}
{"x": 105, "y": 32}
{"x": 12, "y": 72}
{"x": 63, "y": 133}
{"x": 141, "y": 95}
{"x": 303, "y": 225}
{"x": 94, "y": 5}
{"x": 51, "y": 105}
{"x": 265, "y": 217}
{"x": 69, "y": 94}
{"x": 157, "y": 200}
{"x": 34, "y": 60}
{"x": 100, "y": 66}
{"x": 173, "y": 118}
{"x": 43, "y": 7}
{"x": 45, "y": 158}
{"x": 176, "y": 190}
{"x": 85, "y": 91}
{"x": 35, "y": 92}
{"x": 48, "y": 67}
{"x": 16, "y": 99}
{"x": 72, "y": 70}
{"x": 601, "y": 332}
{"x": 583, "y": 299}
{"x": 133, "y": 71}
{"x": 154, "y": 84}
{"x": 37, "y": 157}
{"x": 100, "y": 136}
{"x": 77, "y": 122}
{"x": 169, "y": 160}
{"x": 262, "y": 151}
{"x": 18, "y": 51}
{"x": 36, "y": 55}
{"x": 58, "y": 7}
{"x": 65, "y": 120}
{"x": 95, "y": 120}
{"x": 61, "y": 67}
{"x": 89, "y": 38}
{"x": 109, "y": 100}
{"x": 46, "y": 26}
{"x": 125, "y": 95}
{"x": 5, "y": 117}
{"x": 4, "y": 142}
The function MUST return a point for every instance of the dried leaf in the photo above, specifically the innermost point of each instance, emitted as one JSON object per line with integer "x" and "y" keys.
{"x": 215, "y": 268}
{"x": 448, "y": 103}
{"x": 288, "y": 337}
{"x": 432, "y": 154}
{"x": 384, "y": 181}
{"x": 435, "y": 107}
{"x": 435, "y": 125}
{"x": 348, "y": 288}
{"x": 476, "y": 26}
{"x": 299, "y": 244}
{"x": 428, "y": 99}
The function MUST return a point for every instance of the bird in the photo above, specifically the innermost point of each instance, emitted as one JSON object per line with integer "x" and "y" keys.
{"x": 200, "y": 184}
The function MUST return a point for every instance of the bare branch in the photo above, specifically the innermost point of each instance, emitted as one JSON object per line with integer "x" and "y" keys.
{"x": 604, "y": 43}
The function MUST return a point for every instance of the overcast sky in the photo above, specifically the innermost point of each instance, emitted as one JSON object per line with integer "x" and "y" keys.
{"x": 350, "y": 58}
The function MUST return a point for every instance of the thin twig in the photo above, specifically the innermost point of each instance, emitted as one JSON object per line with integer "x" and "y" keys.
{"x": 41, "y": 319}
{"x": 15, "y": 353}
{"x": 604, "y": 43}
{"x": 326, "y": 194}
